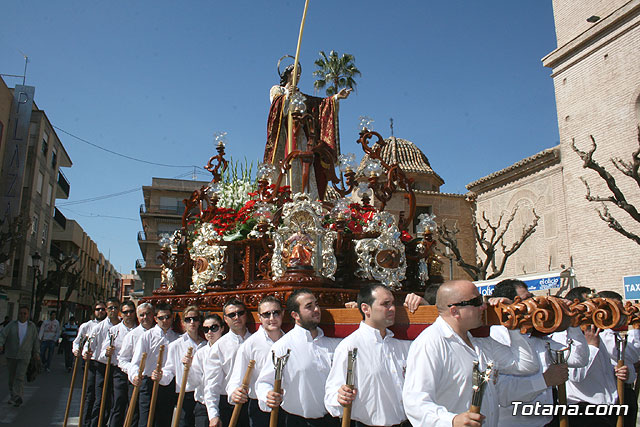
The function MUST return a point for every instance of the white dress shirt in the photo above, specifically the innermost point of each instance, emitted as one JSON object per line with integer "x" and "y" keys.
{"x": 100, "y": 334}
{"x": 630, "y": 355}
{"x": 257, "y": 347}
{"x": 218, "y": 368}
{"x": 150, "y": 343}
{"x": 126, "y": 350}
{"x": 84, "y": 331}
{"x": 174, "y": 367}
{"x": 533, "y": 388}
{"x": 438, "y": 385}
{"x": 197, "y": 369}
{"x": 304, "y": 374}
{"x": 379, "y": 376}
{"x": 119, "y": 331}
{"x": 594, "y": 383}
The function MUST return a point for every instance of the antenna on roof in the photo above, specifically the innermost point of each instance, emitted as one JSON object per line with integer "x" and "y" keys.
{"x": 391, "y": 125}
{"x": 24, "y": 75}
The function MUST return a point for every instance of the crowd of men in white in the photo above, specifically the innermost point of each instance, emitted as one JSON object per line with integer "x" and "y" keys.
{"x": 424, "y": 382}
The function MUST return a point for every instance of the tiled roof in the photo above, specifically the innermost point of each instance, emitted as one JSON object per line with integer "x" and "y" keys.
{"x": 405, "y": 153}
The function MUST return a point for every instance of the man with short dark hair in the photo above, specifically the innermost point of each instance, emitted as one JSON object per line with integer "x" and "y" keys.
{"x": 219, "y": 363}
{"x": 49, "y": 334}
{"x": 20, "y": 341}
{"x": 306, "y": 370}
{"x": 258, "y": 348}
{"x": 150, "y": 342}
{"x": 376, "y": 397}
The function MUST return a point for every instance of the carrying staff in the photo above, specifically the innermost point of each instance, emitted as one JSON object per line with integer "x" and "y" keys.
{"x": 73, "y": 380}
{"x": 306, "y": 370}
{"x": 156, "y": 385}
{"x": 257, "y": 348}
{"x": 178, "y": 366}
{"x": 378, "y": 374}
{"x": 245, "y": 386}
{"x": 107, "y": 379}
{"x": 150, "y": 343}
{"x": 133, "y": 403}
{"x": 85, "y": 382}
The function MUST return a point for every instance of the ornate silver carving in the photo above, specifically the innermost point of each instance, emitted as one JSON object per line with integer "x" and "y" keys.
{"x": 382, "y": 258}
{"x": 304, "y": 217}
{"x": 209, "y": 258}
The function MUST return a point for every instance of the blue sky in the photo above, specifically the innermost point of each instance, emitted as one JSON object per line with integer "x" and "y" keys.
{"x": 155, "y": 79}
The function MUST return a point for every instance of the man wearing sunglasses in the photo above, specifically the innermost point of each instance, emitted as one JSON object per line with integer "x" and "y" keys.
{"x": 101, "y": 336}
{"x": 177, "y": 359}
{"x": 146, "y": 321}
{"x": 306, "y": 370}
{"x": 219, "y": 364}
{"x": 376, "y": 398}
{"x": 438, "y": 384}
{"x": 86, "y": 330}
{"x": 112, "y": 348}
{"x": 150, "y": 343}
{"x": 258, "y": 348}
{"x": 212, "y": 328}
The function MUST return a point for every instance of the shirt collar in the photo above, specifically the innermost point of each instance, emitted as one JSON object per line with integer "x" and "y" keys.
{"x": 299, "y": 330}
{"x": 266, "y": 336}
{"x": 375, "y": 333}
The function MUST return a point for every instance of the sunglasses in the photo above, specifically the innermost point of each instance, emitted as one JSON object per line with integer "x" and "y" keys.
{"x": 212, "y": 328}
{"x": 127, "y": 312}
{"x": 268, "y": 314}
{"x": 165, "y": 317}
{"x": 100, "y": 309}
{"x": 235, "y": 314}
{"x": 191, "y": 319}
{"x": 476, "y": 302}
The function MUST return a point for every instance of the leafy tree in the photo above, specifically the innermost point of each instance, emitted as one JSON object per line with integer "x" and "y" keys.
{"x": 67, "y": 273}
{"x": 617, "y": 197}
{"x": 334, "y": 72}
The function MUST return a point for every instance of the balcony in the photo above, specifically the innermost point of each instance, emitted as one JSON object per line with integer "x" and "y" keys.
{"x": 62, "y": 191}
{"x": 160, "y": 210}
{"x": 60, "y": 219}
{"x": 140, "y": 264}
{"x": 143, "y": 236}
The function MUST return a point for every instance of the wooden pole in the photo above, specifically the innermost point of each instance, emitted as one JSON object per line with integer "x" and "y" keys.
{"x": 154, "y": 392}
{"x": 346, "y": 412}
{"x": 134, "y": 396}
{"x": 245, "y": 385}
{"x": 85, "y": 377}
{"x": 620, "y": 421}
{"x": 107, "y": 370}
{"x": 273, "y": 420}
{"x": 351, "y": 362}
{"x": 73, "y": 381}
{"x": 183, "y": 387}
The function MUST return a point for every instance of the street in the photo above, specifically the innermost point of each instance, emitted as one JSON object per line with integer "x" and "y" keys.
{"x": 44, "y": 399}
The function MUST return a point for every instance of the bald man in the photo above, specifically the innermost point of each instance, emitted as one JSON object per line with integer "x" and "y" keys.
{"x": 438, "y": 383}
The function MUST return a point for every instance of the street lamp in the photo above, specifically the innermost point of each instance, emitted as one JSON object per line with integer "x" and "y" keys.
{"x": 35, "y": 262}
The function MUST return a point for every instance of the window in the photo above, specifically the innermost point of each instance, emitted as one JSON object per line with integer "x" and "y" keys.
{"x": 419, "y": 211}
{"x": 49, "y": 194}
{"x": 45, "y": 143}
{"x": 54, "y": 158}
{"x": 45, "y": 233}
{"x": 34, "y": 224}
{"x": 39, "y": 183}
{"x": 171, "y": 204}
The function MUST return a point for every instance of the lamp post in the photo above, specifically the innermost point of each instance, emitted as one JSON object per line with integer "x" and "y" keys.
{"x": 35, "y": 261}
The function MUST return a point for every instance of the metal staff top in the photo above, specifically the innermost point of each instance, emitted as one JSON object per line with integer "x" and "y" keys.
{"x": 280, "y": 362}
{"x": 351, "y": 361}
{"x": 559, "y": 356}
{"x": 621, "y": 345}
{"x": 480, "y": 380}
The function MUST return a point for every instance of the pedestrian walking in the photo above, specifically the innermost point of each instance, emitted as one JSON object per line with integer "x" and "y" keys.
{"x": 69, "y": 333}
{"x": 20, "y": 340}
{"x": 49, "y": 334}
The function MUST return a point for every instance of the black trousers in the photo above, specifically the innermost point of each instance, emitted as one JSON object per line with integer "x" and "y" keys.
{"x": 67, "y": 346}
{"x": 165, "y": 403}
{"x": 630, "y": 399}
{"x": 120, "y": 398}
{"x": 187, "y": 416}
{"x": 136, "y": 411}
{"x": 226, "y": 411}
{"x": 298, "y": 421}
{"x": 89, "y": 396}
{"x": 591, "y": 420}
{"x": 257, "y": 418}
{"x": 201, "y": 415}
{"x": 100, "y": 383}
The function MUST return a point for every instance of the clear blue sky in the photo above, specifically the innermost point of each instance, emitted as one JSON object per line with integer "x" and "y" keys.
{"x": 155, "y": 79}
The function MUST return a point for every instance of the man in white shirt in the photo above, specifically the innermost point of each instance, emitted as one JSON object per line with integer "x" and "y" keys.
{"x": 101, "y": 335}
{"x": 219, "y": 365}
{"x": 49, "y": 334}
{"x": 178, "y": 358}
{"x": 212, "y": 326}
{"x": 86, "y": 330}
{"x": 146, "y": 321}
{"x": 306, "y": 370}
{"x": 258, "y": 348}
{"x": 150, "y": 343}
{"x": 119, "y": 382}
{"x": 537, "y": 388}
{"x": 379, "y": 369}
{"x": 438, "y": 384}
